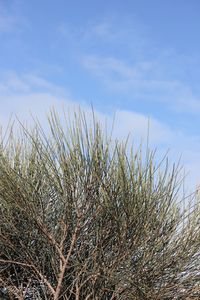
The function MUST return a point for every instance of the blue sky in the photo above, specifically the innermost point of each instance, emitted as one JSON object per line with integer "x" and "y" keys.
{"x": 137, "y": 59}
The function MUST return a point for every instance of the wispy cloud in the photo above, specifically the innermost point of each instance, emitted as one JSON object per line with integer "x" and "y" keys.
{"x": 142, "y": 79}
{"x": 109, "y": 67}
{"x": 8, "y": 20}
{"x": 125, "y": 60}
{"x": 11, "y": 82}
{"x": 7, "y": 23}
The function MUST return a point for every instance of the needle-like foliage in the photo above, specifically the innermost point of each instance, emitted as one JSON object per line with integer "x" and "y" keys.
{"x": 83, "y": 218}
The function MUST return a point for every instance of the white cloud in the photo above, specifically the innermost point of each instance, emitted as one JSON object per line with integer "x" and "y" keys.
{"x": 146, "y": 72}
{"x": 8, "y": 19}
{"x": 103, "y": 29}
{"x": 137, "y": 125}
{"x": 24, "y": 96}
{"x": 11, "y": 83}
{"x": 142, "y": 80}
{"x": 108, "y": 67}
{"x": 7, "y": 23}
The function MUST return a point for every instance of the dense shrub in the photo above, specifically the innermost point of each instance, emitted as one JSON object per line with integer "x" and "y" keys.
{"x": 81, "y": 217}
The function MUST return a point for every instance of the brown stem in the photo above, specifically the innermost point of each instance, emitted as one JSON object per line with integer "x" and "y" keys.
{"x": 62, "y": 272}
{"x": 51, "y": 239}
{"x": 33, "y": 268}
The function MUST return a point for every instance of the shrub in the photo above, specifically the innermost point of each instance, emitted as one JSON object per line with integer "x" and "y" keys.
{"x": 81, "y": 217}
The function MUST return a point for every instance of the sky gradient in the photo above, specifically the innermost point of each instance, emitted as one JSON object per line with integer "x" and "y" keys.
{"x": 134, "y": 59}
